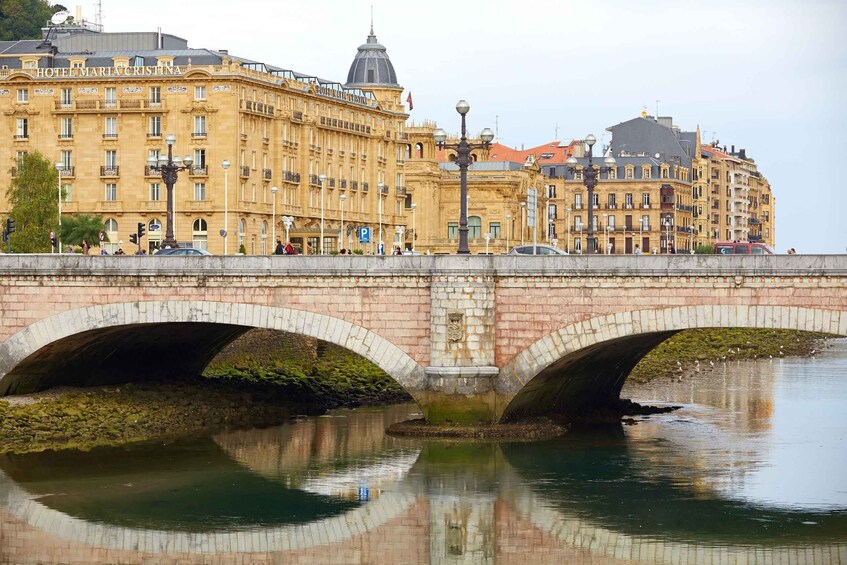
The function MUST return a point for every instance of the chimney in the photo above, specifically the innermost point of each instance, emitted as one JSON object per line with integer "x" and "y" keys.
{"x": 742, "y": 153}
{"x": 78, "y": 16}
{"x": 733, "y": 149}
{"x": 666, "y": 121}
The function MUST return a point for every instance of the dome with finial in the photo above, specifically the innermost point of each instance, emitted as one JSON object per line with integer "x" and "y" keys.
{"x": 371, "y": 67}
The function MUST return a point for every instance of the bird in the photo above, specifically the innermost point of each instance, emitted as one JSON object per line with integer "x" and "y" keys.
{"x": 770, "y": 356}
{"x": 678, "y": 364}
{"x": 711, "y": 363}
{"x": 813, "y": 351}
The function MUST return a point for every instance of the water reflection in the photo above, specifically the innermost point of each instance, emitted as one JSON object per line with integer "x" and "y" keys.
{"x": 718, "y": 481}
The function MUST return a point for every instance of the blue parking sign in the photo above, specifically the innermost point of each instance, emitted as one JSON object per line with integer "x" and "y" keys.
{"x": 364, "y": 235}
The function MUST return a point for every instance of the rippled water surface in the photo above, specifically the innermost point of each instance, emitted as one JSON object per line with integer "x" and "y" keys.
{"x": 751, "y": 469}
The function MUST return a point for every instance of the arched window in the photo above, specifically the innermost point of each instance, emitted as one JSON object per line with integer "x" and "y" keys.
{"x": 110, "y": 226}
{"x": 242, "y": 229}
{"x": 419, "y": 150}
{"x": 408, "y": 151}
{"x": 473, "y": 157}
{"x": 474, "y": 227}
{"x": 200, "y": 233}
{"x": 264, "y": 238}
{"x": 452, "y": 158}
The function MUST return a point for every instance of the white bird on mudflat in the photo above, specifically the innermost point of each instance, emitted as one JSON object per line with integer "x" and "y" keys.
{"x": 711, "y": 363}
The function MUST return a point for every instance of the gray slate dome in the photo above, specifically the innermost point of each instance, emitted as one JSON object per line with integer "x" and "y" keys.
{"x": 371, "y": 67}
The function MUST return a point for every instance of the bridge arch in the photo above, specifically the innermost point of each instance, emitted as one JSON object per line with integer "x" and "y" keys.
{"x": 167, "y": 330}
{"x": 584, "y": 365}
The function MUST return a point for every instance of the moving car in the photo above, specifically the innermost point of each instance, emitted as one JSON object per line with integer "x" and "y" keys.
{"x": 742, "y": 248}
{"x": 538, "y": 249}
{"x": 182, "y": 251}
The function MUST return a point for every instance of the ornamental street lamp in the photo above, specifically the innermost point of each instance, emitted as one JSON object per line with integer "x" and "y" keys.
{"x": 380, "y": 248}
{"x": 169, "y": 167}
{"x": 605, "y": 232}
{"x": 487, "y": 237}
{"x": 523, "y": 213}
{"x": 590, "y": 174}
{"x": 322, "y": 178}
{"x": 288, "y": 221}
{"x": 568, "y": 243}
{"x": 342, "y": 198}
{"x": 463, "y": 153}
{"x": 273, "y": 215}
{"x": 414, "y": 231}
{"x": 59, "y": 168}
{"x": 508, "y": 227}
{"x": 225, "y": 231}
{"x": 401, "y": 231}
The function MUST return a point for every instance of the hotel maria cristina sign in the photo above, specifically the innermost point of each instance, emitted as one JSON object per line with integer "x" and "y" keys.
{"x": 69, "y": 72}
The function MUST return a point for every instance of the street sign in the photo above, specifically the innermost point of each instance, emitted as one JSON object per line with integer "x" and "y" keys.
{"x": 531, "y": 206}
{"x": 158, "y": 227}
{"x": 364, "y": 235}
{"x": 102, "y": 236}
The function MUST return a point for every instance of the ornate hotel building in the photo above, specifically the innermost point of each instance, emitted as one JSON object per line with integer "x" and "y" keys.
{"x": 101, "y": 104}
{"x": 307, "y": 155}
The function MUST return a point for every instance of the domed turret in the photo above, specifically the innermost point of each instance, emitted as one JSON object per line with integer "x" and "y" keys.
{"x": 372, "y": 67}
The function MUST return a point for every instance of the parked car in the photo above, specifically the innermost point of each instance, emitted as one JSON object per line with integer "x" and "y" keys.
{"x": 742, "y": 248}
{"x": 537, "y": 250}
{"x": 182, "y": 251}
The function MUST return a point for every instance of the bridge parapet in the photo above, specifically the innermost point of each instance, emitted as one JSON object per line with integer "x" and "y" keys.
{"x": 464, "y": 334}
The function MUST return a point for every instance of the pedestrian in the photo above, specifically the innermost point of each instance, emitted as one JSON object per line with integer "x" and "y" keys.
{"x": 343, "y": 251}
{"x": 397, "y": 250}
{"x": 671, "y": 249}
{"x": 120, "y": 251}
{"x": 86, "y": 247}
{"x": 289, "y": 249}
{"x": 792, "y": 252}
{"x": 637, "y": 249}
{"x": 279, "y": 249}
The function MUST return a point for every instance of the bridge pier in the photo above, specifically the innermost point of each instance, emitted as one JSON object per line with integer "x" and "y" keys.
{"x": 462, "y": 376}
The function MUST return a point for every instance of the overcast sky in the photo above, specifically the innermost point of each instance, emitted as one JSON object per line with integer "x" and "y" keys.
{"x": 765, "y": 75}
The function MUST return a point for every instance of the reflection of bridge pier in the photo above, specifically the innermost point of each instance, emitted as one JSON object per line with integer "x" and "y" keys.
{"x": 456, "y": 504}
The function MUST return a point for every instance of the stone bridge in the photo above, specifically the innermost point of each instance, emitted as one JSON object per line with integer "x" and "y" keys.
{"x": 471, "y": 338}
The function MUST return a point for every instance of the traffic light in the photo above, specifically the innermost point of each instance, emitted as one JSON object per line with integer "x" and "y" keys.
{"x": 140, "y": 230}
{"x": 133, "y": 238}
{"x": 10, "y": 226}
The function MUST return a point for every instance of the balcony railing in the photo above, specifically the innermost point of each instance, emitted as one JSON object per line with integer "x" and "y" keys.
{"x": 245, "y": 171}
{"x": 267, "y": 174}
{"x": 314, "y": 180}
{"x": 401, "y": 191}
{"x": 109, "y": 171}
{"x": 128, "y": 104}
{"x": 199, "y": 171}
{"x": 383, "y": 189}
{"x": 297, "y": 116}
{"x": 354, "y": 185}
{"x": 343, "y": 183}
{"x": 67, "y": 172}
{"x": 289, "y": 176}
{"x": 110, "y": 136}
{"x": 364, "y": 187}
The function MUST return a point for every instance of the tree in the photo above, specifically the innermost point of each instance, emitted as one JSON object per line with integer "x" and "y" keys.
{"x": 23, "y": 19}
{"x": 33, "y": 198}
{"x": 78, "y": 227}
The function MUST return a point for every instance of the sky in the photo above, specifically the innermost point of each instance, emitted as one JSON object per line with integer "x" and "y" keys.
{"x": 768, "y": 76}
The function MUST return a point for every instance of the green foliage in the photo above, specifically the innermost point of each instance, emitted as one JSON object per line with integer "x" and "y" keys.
{"x": 704, "y": 249}
{"x": 358, "y": 252}
{"x": 23, "y": 19}
{"x": 33, "y": 199}
{"x": 78, "y": 227}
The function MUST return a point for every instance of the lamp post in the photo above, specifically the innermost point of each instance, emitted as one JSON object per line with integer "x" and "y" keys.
{"x": 322, "y": 178}
{"x": 225, "y": 233}
{"x": 590, "y": 174}
{"x": 60, "y": 166}
{"x": 288, "y": 221}
{"x": 342, "y": 198}
{"x": 401, "y": 230}
{"x": 463, "y": 153}
{"x": 508, "y": 227}
{"x": 169, "y": 167}
{"x": 568, "y": 243}
{"x": 487, "y": 237}
{"x": 273, "y": 215}
{"x": 380, "y": 246}
{"x": 414, "y": 230}
{"x": 605, "y": 233}
{"x": 523, "y": 213}
{"x": 667, "y": 223}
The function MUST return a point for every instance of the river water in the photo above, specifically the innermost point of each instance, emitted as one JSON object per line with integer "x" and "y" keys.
{"x": 751, "y": 469}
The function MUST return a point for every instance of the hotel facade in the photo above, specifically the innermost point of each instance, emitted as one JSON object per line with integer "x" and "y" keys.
{"x": 280, "y": 155}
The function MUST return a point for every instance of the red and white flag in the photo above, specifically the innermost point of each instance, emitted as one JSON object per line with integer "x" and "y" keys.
{"x": 409, "y": 100}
